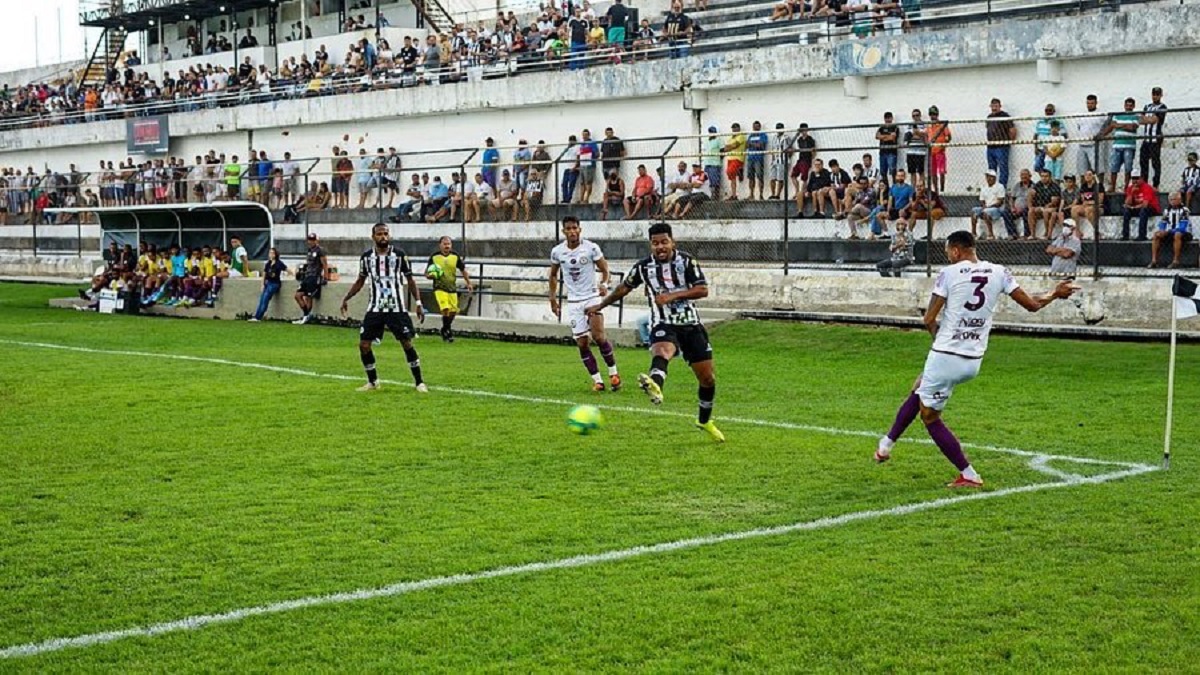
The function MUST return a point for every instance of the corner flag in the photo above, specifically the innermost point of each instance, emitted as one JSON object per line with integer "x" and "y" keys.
{"x": 1187, "y": 304}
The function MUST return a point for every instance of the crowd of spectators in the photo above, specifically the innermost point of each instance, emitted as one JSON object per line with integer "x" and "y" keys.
{"x": 882, "y": 194}
{"x": 171, "y": 276}
{"x": 862, "y": 18}
{"x": 572, "y": 36}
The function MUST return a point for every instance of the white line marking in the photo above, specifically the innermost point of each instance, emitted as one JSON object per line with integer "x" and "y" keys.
{"x": 1037, "y": 461}
{"x": 564, "y": 402}
{"x": 201, "y": 621}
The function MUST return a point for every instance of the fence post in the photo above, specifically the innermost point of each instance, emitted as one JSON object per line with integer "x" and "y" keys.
{"x": 929, "y": 211}
{"x": 33, "y": 220}
{"x": 786, "y": 203}
{"x": 306, "y": 189}
{"x": 1098, "y": 205}
{"x": 79, "y": 235}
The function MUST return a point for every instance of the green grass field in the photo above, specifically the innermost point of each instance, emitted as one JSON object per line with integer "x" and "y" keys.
{"x": 138, "y": 490}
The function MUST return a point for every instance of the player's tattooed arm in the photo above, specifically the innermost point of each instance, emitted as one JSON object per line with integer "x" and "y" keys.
{"x": 554, "y": 306}
{"x": 354, "y": 289}
{"x": 1064, "y": 289}
{"x": 621, "y": 291}
{"x": 936, "y": 303}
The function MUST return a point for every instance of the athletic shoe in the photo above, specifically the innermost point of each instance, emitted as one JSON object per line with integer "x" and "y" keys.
{"x": 881, "y": 456}
{"x": 651, "y": 388}
{"x": 252, "y": 320}
{"x": 370, "y": 386}
{"x": 712, "y": 431}
{"x": 422, "y": 388}
{"x": 449, "y": 337}
{"x": 301, "y": 321}
{"x": 964, "y": 482}
{"x": 597, "y": 386}
{"x": 614, "y": 382}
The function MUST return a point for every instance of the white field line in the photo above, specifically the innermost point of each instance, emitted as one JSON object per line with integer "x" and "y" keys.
{"x": 1038, "y": 461}
{"x": 564, "y": 402}
{"x": 203, "y": 620}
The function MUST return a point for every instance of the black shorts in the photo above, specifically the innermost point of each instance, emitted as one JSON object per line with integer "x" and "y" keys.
{"x": 311, "y": 286}
{"x": 916, "y": 163}
{"x": 691, "y": 341}
{"x": 399, "y": 323}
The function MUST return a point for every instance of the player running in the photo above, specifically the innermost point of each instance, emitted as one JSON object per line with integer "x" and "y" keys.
{"x": 673, "y": 281}
{"x": 579, "y": 260}
{"x": 445, "y": 287}
{"x": 391, "y": 282}
{"x": 967, "y": 290}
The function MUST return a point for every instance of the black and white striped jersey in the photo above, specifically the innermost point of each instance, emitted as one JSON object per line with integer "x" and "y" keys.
{"x": 679, "y": 273}
{"x": 389, "y": 272}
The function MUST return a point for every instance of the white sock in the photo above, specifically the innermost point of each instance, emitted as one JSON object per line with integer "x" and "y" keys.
{"x": 612, "y": 370}
{"x": 885, "y": 445}
{"x": 596, "y": 378}
{"x": 969, "y": 472}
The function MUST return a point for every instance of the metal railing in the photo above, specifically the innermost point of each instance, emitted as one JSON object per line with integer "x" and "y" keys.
{"x": 932, "y": 14}
{"x": 815, "y": 230}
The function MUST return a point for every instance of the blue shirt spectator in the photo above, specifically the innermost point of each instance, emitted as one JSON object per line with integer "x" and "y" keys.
{"x": 902, "y": 194}
{"x": 439, "y": 190}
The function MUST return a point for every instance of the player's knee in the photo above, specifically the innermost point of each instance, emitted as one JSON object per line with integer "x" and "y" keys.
{"x": 364, "y": 346}
{"x": 929, "y": 415}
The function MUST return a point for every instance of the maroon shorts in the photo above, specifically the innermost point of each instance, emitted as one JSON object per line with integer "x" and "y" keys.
{"x": 800, "y": 170}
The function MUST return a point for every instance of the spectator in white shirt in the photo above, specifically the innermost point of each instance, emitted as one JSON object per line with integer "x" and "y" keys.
{"x": 991, "y": 204}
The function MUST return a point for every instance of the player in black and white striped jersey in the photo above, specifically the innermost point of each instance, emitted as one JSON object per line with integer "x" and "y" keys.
{"x": 673, "y": 281}
{"x": 391, "y": 283}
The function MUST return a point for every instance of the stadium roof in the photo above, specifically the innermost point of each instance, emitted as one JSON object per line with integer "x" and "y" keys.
{"x": 135, "y": 15}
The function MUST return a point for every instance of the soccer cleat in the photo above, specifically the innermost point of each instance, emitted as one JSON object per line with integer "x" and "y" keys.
{"x": 370, "y": 386}
{"x": 597, "y": 386}
{"x": 614, "y": 382}
{"x": 422, "y": 388}
{"x": 301, "y": 321}
{"x": 712, "y": 431}
{"x": 964, "y": 482}
{"x": 651, "y": 388}
{"x": 881, "y": 456}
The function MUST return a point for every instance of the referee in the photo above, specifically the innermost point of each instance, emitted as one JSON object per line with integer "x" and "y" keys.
{"x": 391, "y": 283}
{"x": 673, "y": 281}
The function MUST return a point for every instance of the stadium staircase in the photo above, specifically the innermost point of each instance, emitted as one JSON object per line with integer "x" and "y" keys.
{"x": 106, "y": 54}
{"x": 435, "y": 15}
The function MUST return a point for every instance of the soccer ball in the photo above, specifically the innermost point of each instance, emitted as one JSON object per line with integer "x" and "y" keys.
{"x": 584, "y": 419}
{"x": 434, "y": 272}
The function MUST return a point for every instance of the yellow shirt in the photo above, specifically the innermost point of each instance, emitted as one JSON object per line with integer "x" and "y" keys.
{"x": 737, "y": 147}
{"x": 207, "y": 268}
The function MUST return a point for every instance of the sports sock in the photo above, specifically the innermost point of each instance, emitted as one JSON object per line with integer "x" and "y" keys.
{"x": 414, "y": 363}
{"x": 970, "y": 472}
{"x": 610, "y": 359}
{"x": 948, "y": 444}
{"x": 589, "y": 362}
{"x": 706, "y": 403}
{"x": 658, "y": 370}
{"x": 368, "y": 361}
{"x": 904, "y": 417}
{"x": 446, "y": 321}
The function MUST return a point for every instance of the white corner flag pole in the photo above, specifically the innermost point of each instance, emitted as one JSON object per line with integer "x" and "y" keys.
{"x": 1170, "y": 392}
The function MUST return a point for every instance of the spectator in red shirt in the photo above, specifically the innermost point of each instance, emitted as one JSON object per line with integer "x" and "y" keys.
{"x": 1140, "y": 200}
{"x": 643, "y": 194}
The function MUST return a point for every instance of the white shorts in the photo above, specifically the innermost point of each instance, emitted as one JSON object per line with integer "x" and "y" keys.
{"x": 578, "y": 318}
{"x": 942, "y": 373}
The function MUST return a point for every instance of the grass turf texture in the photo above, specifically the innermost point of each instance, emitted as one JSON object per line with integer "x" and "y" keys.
{"x": 139, "y": 490}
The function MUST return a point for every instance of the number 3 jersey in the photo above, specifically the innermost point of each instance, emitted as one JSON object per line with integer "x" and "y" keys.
{"x": 388, "y": 271}
{"x": 971, "y": 290}
{"x": 679, "y": 273}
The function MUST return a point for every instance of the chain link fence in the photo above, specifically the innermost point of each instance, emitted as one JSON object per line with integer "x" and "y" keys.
{"x": 870, "y": 198}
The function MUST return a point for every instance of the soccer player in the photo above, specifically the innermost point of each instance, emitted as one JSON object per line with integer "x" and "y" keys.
{"x": 967, "y": 292}
{"x": 673, "y": 282}
{"x": 391, "y": 283}
{"x": 445, "y": 287}
{"x": 579, "y": 260}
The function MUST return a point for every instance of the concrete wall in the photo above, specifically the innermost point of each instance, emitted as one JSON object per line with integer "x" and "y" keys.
{"x": 1107, "y": 54}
